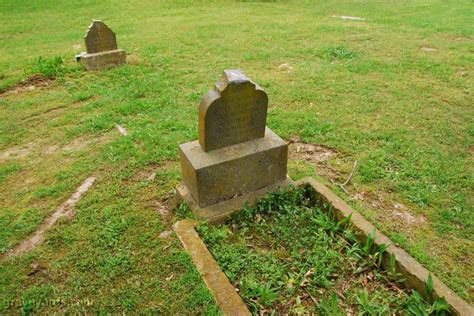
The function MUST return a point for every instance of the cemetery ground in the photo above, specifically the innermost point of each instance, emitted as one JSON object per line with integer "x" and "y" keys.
{"x": 392, "y": 92}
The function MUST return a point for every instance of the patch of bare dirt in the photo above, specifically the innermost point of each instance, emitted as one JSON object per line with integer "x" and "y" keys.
{"x": 395, "y": 213}
{"x": 315, "y": 154}
{"x": 463, "y": 73}
{"x": 17, "y": 151}
{"x": 149, "y": 173}
{"x": 75, "y": 145}
{"x": 163, "y": 205}
{"x": 461, "y": 38}
{"x": 78, "y": 47}
{"x": 35, "y": 268}
{"x": 81, "y": 142}
{"x": 66, "y": 209}
{"x": 310, "y": 152}
{"x": 31, "y": 83}
{"x": 48, "y": 111}
{"x": 133, "y": 59}
{"x": 162, "y": 208}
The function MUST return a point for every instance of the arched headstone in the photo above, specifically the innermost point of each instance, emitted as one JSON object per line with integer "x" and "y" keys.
{"x": 101, "y": 48}
{"x": 236, "y": 156}
{"x": 234, "y": 112}
{"x": 99, "y": 38}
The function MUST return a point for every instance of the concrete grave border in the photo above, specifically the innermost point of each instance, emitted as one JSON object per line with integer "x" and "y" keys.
{"x": 231, "y": 303}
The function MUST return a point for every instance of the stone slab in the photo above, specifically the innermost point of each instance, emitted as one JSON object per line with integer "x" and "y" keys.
{"x": 234, "y": 112}
{"x": 103, "y": 60}
{"x": 226, "y": 296}
{"x": 99, "y": 38}
{"x": 414, "y": 272}
{"x": 221, "y": 174}
{"x": 218, "y": 213}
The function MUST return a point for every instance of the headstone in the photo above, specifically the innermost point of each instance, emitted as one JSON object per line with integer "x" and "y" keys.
{"x": 234, "y": 112}
{"x": 99, "y": 38}
{"x": 235, "y": 154}
{"x": 101, "y": 48}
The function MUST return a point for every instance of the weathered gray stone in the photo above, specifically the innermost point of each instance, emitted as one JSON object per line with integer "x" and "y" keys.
{"x": 227, "y": 298}
{"x": 236, "y": 154}
{"x": 101, "y": 47}
{"x": 234, "y": 112}
{"x": 103, "y": 60}
{"x": 218, "y": 213}
{"x": 99, "y": 38}
{"x": 233, "y": 170}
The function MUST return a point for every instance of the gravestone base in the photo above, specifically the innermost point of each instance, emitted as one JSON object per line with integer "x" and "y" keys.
{"x": 102, "y": 60}
{"x": 218, "y": 213}
{"x": 222, "y": 174}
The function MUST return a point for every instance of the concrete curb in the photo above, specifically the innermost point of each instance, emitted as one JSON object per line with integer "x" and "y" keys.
{"x": 230, "y": 302}
{"x": 224, "y": 293}
{"x": 414, "y": 272}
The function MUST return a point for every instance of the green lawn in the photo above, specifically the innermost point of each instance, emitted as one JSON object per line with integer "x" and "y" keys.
{"x": 369, "y": 90}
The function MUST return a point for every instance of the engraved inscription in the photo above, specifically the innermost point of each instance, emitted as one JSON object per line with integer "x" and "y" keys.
{"x": 234, "y": 112}
{"x": 100, "y": 38}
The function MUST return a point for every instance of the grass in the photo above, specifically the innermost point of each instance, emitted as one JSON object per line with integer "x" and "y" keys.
{"x": 288, "y": 256}
{"x": 339, "y": 52}
{"x": 405, "y": 114}
{"x": 49, "y": 67}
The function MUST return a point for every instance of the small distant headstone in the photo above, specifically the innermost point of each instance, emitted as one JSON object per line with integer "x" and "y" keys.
{"x": 101, "y": 48}
{"x": 235, "y": 154}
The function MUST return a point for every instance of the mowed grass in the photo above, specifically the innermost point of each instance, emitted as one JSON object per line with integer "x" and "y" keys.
{"x": 366, "y": 89}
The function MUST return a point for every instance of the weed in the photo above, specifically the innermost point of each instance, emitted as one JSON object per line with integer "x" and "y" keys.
{"x": 370, "y": 306}
{"x": 368, "y": 254}
{"x": 372, "y": 252}
{"x": 184, "y": 211}
{"x": 286, "y": 252}
{"x": 338, "y": 52}
{"x": 49, "y": 67}
{"x": 416, "y": 305}
{"x": 258, "y": 294}
{"x": 392, "y": 273}
{"x": 330, "y": 306}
